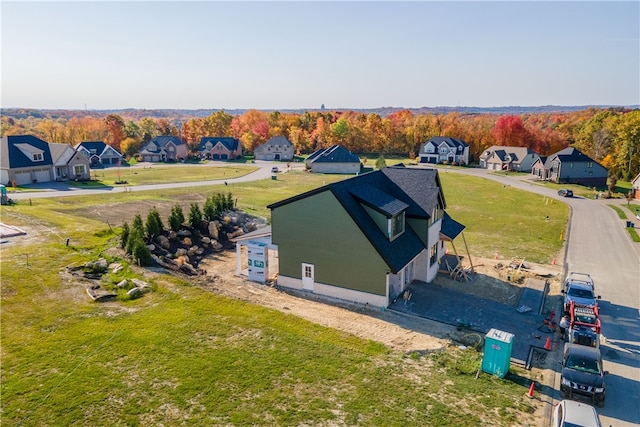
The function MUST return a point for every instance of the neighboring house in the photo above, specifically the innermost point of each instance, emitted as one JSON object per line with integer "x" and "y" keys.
{"x": 69, "y": 163}
{"x": 164, "y": 149}
{"x": 500, "y": 158}
{"x": 99, "y": 153}
{"x": 25, "y": 159}
{"x": 366, "y": 238}
{"x": 219, "y": 148}
{"x": 335, "y": 159}
{"x": 441, "y": 149}
{"x": 276, "y": 148}
{"x": 570, "y": 166}
{"x": 537, "y": 168}
{"x": 635, "y": 187}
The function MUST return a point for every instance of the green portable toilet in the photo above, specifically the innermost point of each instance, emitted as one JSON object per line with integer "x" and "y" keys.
{"x": 497, "y": 352}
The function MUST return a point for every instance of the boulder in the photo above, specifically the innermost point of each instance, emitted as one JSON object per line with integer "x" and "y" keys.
{"x": 205, "y": 240}
{"x": 199, "y": 251}
{"x": 192, "y": 250}
{"x": 134, "y": 293}
{"x": 116, "y": 267}
{"x": 182, "y": 259}
{"x": 180, "y": 252}
{"x": 213, "y": 229}
{"x": 163, "y": 241}
{"x": 123, "y": 284}
{"x": 173, "y": 235}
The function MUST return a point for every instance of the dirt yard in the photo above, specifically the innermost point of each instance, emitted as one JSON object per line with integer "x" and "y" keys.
{"x": 402, "y": 333}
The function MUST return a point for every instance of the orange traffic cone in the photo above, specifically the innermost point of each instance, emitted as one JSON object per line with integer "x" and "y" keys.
{"x": 547, "y": 345}
{"x": 530, "y": 394}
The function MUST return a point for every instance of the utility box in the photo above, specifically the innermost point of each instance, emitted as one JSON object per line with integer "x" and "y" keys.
{"x": 497, "y": 352}
{"x": 258, "y": 260}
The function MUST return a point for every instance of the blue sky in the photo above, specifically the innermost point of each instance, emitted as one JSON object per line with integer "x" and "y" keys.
{"x": 301, "y": 54}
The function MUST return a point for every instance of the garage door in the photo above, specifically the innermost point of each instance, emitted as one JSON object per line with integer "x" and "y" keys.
{"x": 23, "y": 178}
{"x": 43, "y": 175}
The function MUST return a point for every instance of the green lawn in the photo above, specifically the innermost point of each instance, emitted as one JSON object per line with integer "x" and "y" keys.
{"x": 181, "y": 355}
{"x": 159, "y": 174}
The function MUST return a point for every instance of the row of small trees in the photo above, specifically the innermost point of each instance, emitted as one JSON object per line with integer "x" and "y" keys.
{"x": 134, "y": 238}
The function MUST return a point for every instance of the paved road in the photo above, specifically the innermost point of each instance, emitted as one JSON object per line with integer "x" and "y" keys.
{"x": 62, "y": 189}
{"x": 597, "y": 244}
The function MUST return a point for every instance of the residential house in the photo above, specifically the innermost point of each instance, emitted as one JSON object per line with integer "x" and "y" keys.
{"x": 444, "y": 149}
{"x": 99, "y": 153}
{"x": 164, "y": 149}
{"x": 537, "y": 169}
{"x": 501, "y": 158}
{"x": 363, "y": 239}
{"x": 635, "y": 187}
{"x": 570, "y": 166}
{"x": 276, "y": 148}
{"x": 219, "y": 148}
{"x": 25, "y": 159}
{"x": 335, "y": 159}
{"x": 69, "y": 163}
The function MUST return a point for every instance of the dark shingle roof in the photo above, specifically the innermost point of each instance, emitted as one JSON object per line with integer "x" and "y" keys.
{"x": 17, "y": 158}
{"x": 451, "y": 142}
{"x": 390, "y": 190}
{"x": 450, "y": 227}
{"x": 333, "y": 154}
{"x": 161, "y": 141}
{"x": 230, "y": 143}
{"x": 93, "y": 147}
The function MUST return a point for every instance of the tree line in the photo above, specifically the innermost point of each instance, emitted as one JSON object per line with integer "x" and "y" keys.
{"x": 610, "y": 136}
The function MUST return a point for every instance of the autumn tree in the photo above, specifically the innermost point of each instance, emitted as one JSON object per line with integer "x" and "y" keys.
{"x": 115, "y": 129}
{"x": 510, "y": 131}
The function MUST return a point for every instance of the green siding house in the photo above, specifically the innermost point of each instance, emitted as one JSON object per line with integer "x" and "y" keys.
{"x": 363, "y": 239}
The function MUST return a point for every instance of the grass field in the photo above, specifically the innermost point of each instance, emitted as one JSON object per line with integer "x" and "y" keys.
{"x": 182, "y": 355}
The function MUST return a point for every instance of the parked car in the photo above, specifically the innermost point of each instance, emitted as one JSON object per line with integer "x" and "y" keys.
{"x": 565, "y": 192}
{"x": 582, "y": 374}
{"x": 579, "y": 288}
{"x": 274, "y": 169}
{"x": 569, "y": 413}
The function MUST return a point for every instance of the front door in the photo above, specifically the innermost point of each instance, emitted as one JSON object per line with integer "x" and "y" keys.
{"x": 307, "y": 276}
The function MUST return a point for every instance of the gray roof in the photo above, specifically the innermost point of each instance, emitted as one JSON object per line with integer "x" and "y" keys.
{"x": 333, "y": 154}
{"x": 390, "y": 190}
{"x": 229, "y": 143}
{"x": 459, "y": 144}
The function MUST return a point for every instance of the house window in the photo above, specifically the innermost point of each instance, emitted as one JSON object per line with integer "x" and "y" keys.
{"x": 308, "y": 273}
{"x": 571, "y": 165}
{"x": 590, "y": 164}
{"x": 444, "y": 150}
{"x": 37, "y": 157}
{"x": 433, "y": 254}
{"x": 396, "y": 225}
{"x": 429, "y": 149}
{"x": 78, "y": 170}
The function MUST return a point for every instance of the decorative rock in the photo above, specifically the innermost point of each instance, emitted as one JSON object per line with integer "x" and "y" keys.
{"x": 180, "y": 252}
{"x": 182, "y": 259}
{"x": 216, "y": 245}
{"x": 187, "y": 241}
{"x": 163, "y": 241}
{"x": 151, "y": 247}
{"x": 213, "y": 229}
{"x": 192, "y": 250}
{"x": 205, "y": 240}
{"x": 134, "y": 292}
{"x": 140, "y": 283}
{"x": 199, "y": 251}
{"x": 184, "y": 233}
{"x": 116, "y": 267}
{"x": 123, "y": 284}
{"x": 173, "y": 235}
